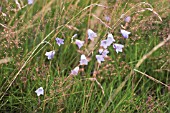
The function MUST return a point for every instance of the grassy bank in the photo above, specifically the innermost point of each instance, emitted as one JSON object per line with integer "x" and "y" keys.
{"x": 27, "y": 32}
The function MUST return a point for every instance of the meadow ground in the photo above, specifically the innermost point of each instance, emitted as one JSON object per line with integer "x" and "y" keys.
{"x": 134, "y": 80}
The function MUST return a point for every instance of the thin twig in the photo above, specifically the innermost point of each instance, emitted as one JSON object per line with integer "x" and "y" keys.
{"x": 94, "y": 79}
{"x": 4, "y": 26}
{"x": 151, "y": 78}
{"x": 101, "y": 21}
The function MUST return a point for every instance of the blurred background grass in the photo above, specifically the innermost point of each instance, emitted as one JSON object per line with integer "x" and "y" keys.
{"x": 21, "y": 30}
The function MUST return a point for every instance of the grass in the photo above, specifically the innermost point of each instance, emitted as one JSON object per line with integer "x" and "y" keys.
{"x": 24, "y": 66}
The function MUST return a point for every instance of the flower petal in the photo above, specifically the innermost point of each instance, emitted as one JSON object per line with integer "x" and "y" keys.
{"x": 118, "y": 47}
{"x": 83, "y": 60}
{"x": 30, "y": 1}
{"x": 125, "y": 33}
{"x": 104, "y": 44}
{"x": 110, "y": 39}
{"x": 127, "y": 19}
{"x": 40, "y": 91}
{"x": 59, "y": 41}
{"x": 50, "y": 54}
{"x": 99, "y": 58}
{"x": 79, "y": 43}
{"x": 91, "y": 34}
{"x": 75, "y": 71}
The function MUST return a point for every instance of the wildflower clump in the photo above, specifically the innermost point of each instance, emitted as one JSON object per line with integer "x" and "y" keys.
{"x": 103, "y": 50}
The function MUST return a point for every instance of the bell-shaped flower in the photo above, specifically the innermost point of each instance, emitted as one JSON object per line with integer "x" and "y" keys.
{"x": 83, "y": 60}
{"x": 30, "y": 1}
{"x": 127, "y": 19}
{"x": 40, "y": 91}
{"x": 101, "y": 50}
{"x": 104, "y": 44}
{"x": 74, "y": 36}
{"x": 110, "y": 39}
{"x": 91, "y": 34}
{"x": 107, "y": 18}
{"x": 118, "y": 47}
{"x": 50, "y": 54}
{"x": 105, "y": 52}
{"x": 79, "y": 43}
{"x": 99, "y": 58}
{"x": 75, "y": 71}
{"x": 125, "y": 33}
{"x": 59, "y": 41}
